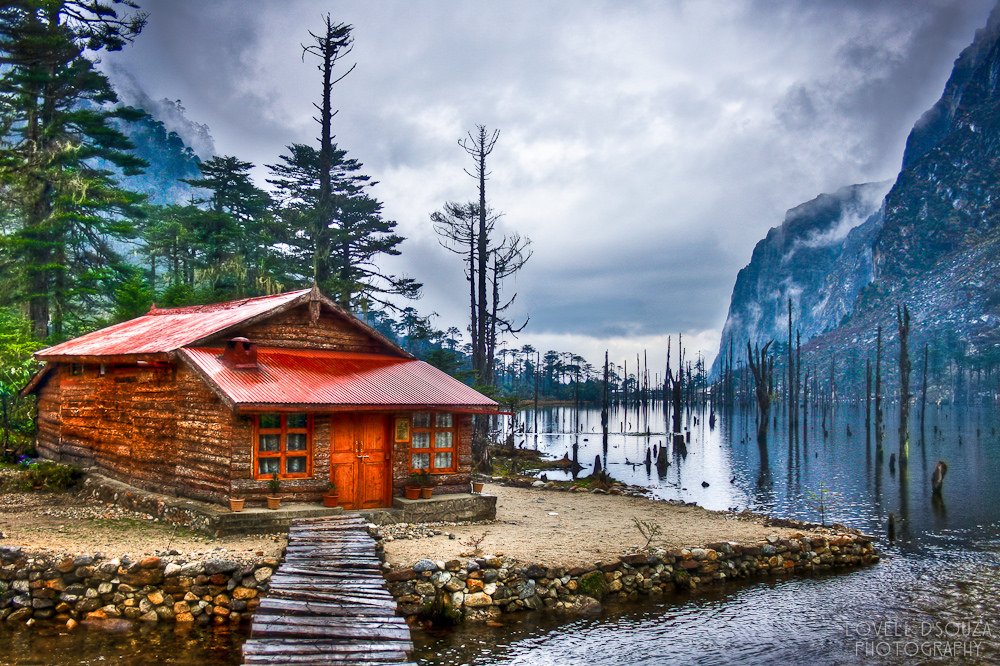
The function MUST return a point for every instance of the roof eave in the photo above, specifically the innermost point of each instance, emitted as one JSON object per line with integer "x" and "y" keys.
{"x": 317, "y": 408}
{"x": 109, "y": 359}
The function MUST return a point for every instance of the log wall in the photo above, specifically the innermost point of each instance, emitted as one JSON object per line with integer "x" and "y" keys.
{"x": 121, "y": 422}
{"x": 294, "y": 329}
{"x": 47, "y": 435}
{"x": 206, "y": 429}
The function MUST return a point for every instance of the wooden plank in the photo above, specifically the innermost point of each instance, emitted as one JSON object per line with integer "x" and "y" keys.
{"x": 267, "y": 629}
{"x": 273, "y": 606}
{"x": 308, "y": 646}
{"x": 328, "y": 601}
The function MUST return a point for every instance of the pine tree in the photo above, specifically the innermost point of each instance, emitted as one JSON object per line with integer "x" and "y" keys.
{"x": 234, "y": 233}
{"x": 333, "y": 229}
{"x": 343, "y": 250}
{"x": 59, "y": 149}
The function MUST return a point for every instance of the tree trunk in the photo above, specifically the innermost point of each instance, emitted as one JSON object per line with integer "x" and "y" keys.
{"x": 903, "y": 324}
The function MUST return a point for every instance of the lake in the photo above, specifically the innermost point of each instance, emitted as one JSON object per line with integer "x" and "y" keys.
{"x": 934, "y": 596}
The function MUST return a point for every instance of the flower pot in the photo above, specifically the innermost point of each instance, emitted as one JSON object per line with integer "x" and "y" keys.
{"x": 477, "y": 487}
{"x": 236, "y": 504}
{"x": 331, "y": 500}
{"x": 412, "y": 492}
{"x": 273, "y": 502}
{"x": 426, "y": 492}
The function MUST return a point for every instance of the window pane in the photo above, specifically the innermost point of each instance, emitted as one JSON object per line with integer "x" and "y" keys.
{"x": 443, "y": 420}
{"x": 442, "y": 440}
{"x": 296, "y": 441}
{"x": 420, "y": 460}
{"x": 270, "y": 443}
{"x": 421, "y": 440}
{"x": 442, "y": 460}
{"x": 267, "y": 466}
{"x": 421, "y": 420}
{"x": 297, "y": 421}
{"x": 296, "y": 465}
{"x": 270, "y": 421}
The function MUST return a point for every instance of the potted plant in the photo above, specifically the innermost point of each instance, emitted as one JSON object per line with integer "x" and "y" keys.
{"x": 426, "y": 489}
{"x": 274, "y": 487}
{"x": 412, "y": 488}
{"x": 477, "y": 486}
{"x": 331, "y": 498}
{"x": 236, "y": 503}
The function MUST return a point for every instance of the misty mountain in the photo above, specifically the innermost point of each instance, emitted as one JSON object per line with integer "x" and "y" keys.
{"x": 932, "y": 243}
{"x": 819, "y": 257}
{"x": 168, "y": 140}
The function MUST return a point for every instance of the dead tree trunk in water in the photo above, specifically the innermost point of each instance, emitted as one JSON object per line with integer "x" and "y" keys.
{"x": 903, "y": 324}
{"x": 923, "y": 397}
{"x": 868, "y": 403}
{"x": 604, "y": 397}
{"x": 805, "y": 412}
{"x": 677, "y": 397}
{"x": 798, "y": 378}
{"x": 790, "y": 389}
{"x": 762, "y": 368}
{"x": 879, "y": 426}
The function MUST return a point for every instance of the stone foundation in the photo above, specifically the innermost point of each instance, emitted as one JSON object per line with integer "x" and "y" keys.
{"x": 484, "y": 588}
{"x": 88, "y": 589}
{"x": 450, "y": 508}
{"x": 210, "y": 519}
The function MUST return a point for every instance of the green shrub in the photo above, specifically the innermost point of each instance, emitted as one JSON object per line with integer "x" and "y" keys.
{"x": 594, "y": 585}
{"x": 48, "y": 475}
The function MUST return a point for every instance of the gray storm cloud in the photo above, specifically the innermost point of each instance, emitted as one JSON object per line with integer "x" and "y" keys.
{"x": 645, "y": 146}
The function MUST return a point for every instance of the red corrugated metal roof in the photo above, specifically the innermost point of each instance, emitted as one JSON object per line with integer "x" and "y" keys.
{"x": 334, "y": 380}
{"x": 165, "y": 330}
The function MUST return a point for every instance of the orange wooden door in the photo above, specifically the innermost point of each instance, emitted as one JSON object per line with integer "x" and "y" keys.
{"x": 360, "y": 460}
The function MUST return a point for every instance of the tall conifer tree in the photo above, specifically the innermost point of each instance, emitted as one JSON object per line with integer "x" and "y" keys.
{"x": 59, "y": 145}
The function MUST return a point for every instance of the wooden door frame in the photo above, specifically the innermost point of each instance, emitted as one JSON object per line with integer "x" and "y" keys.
{"x": 356, "y": 419}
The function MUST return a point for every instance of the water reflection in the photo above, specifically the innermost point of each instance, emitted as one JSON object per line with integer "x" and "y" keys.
{"x": 780, "y": 477}
{"x": 178, "y": 645}
{"x": 942, "y": 567}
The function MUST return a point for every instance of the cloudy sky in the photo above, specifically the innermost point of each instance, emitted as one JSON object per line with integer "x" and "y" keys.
{"x": 645, "y": 146}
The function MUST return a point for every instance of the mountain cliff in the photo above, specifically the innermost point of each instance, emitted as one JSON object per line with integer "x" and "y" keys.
{"x": 819, "y": 257}
{"x": 932, "y": 243}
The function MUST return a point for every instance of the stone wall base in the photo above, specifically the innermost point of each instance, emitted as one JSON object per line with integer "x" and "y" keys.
{"x": 484, "y": 588}
{"x": 86, "y": 589}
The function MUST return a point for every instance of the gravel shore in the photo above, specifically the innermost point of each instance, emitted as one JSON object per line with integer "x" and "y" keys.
{"x": 64, "y": 523}
{"x": 572, "y": 529}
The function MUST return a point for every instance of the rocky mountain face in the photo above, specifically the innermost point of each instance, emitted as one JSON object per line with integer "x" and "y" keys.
{"x": 933, "y": 243}
{"x": 819, "y": 257}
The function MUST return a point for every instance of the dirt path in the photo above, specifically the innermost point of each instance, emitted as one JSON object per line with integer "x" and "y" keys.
{"x": 63, "y": 523}
{"x": 562, "y": 528}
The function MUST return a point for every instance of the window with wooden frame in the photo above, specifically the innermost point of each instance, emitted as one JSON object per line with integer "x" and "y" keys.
{"x": 283, "y": 444}
{"x": 433, "y": 443}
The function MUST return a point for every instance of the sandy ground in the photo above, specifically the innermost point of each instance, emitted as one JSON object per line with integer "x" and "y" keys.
{"x": 555, "y": 528}
{"x": 62, "y": 523}
{"x": 570, "y": 529}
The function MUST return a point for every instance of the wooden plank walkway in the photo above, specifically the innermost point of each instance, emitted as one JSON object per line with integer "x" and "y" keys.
{"x": 328, "y": 602}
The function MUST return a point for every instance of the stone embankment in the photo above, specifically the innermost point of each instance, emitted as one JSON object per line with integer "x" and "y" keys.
{"x": 154, "y": 589}
{"x": 483, "y": 588}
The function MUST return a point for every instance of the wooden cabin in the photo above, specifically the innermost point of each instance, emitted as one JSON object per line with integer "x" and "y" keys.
{"x": 208, "y": 401}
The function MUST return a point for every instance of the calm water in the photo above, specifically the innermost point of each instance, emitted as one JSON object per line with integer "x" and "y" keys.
{"x": 944, "y": 566}
{"x": 933, "y": 598}
{"x": 175, "y": 645}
